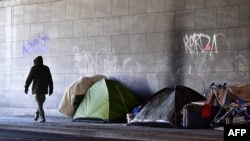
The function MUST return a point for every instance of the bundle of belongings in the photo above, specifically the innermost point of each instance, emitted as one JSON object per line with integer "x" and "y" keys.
{"x": 237, "y": 110}
{"x": 224, "y": 104}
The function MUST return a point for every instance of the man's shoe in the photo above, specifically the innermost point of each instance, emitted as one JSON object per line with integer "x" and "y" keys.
{"x": 36, "y": 116}
{"x": 43, "y": 120}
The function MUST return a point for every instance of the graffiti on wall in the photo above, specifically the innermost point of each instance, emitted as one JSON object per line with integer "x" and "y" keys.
{"x": 240, "y": 66}
{"x": 204, "y": 46}
{"x": 103, "y": 61}
{"x": 200, "y": 43}
{"x": 37, "y": 45}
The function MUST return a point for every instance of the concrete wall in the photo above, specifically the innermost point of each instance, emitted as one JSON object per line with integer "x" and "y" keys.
{"x": 145, "y": 44}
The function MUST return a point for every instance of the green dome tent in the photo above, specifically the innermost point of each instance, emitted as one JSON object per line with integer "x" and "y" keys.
{"x": 105, "y": 101}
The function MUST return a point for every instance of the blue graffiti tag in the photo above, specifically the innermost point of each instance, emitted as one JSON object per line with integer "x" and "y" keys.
{"x": 37, "y": 45}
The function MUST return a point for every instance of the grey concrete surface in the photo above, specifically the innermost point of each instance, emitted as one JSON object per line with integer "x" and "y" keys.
{"x": 145, "y": 44}
{"x": 62, "y": 125}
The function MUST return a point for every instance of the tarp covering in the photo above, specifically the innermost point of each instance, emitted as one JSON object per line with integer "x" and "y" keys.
{"x": 105, "y": 101}
{"x": 163, "y": 109}
{"x": 225, "y": 95}
{"x": 241, "y": 91}
{"x": 77, "y": 88}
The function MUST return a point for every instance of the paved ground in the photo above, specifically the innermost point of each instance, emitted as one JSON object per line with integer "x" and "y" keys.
{"x": 18, "y": 135}
{"x": 62, "y": 125}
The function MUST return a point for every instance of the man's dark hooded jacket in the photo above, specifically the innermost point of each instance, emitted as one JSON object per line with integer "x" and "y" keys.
{"x": 41, "y": 77}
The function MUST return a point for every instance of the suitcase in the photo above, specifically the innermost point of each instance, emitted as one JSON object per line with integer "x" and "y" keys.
{"x": 192, "y": 116}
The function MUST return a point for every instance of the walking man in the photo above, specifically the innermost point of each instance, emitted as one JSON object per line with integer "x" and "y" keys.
{"x": 42, "y": 84}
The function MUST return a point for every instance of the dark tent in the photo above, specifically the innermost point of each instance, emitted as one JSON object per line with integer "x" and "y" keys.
{"x": 164, "y": 108}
